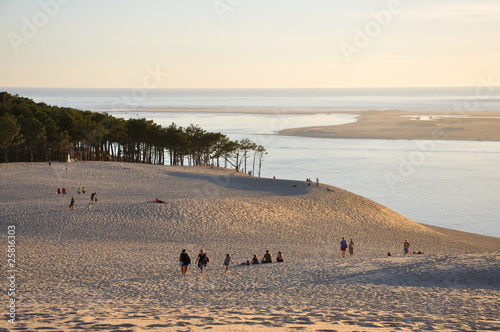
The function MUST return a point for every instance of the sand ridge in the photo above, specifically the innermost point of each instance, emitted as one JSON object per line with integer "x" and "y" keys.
{"x": 116, "y": 268}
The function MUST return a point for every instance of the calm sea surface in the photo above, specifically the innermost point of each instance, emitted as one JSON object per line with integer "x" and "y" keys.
{"x": 440, "y": 99}
{"x": 453, "y": 184}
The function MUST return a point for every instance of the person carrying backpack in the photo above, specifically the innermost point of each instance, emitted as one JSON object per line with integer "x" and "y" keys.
{"x": 202, "y": 260}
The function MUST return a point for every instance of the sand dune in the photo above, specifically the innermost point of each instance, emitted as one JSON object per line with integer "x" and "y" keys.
{"x": 115, "y": 267}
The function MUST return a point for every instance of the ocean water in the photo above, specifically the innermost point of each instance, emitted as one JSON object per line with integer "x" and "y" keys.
{"x": 451, "y": 184}
{"x": 440, "y": 99}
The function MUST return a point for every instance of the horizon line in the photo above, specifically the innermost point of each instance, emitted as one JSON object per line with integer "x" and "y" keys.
{"x": 253, "y": 88}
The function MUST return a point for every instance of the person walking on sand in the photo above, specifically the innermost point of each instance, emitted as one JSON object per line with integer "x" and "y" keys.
{"x": 58, "y": 191}
{"x": 227, "y": 262}
{"x": 184, "y": 261}
{"x": 89, "y": 207}
{"x": 72, "y": 204}
{"x": 202, "y": 260}
{"x": 351, "y": 247}
{"x": 343, "y": 246}
{"x": 317, "y": 182}
{"x": 83, "y": 191}
{"x": 64, "y": 191}
{"x": 79, "y": 191}
{"x": 406, "y": 246}
{"x": 267, "y": 258}
{"x": 279, "y": 257}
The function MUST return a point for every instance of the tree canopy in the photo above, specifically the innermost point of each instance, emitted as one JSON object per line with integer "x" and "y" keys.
{"x": 37, "y": 132}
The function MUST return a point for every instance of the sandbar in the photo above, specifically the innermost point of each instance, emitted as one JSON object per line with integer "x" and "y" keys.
{"x": 410, "y": 125}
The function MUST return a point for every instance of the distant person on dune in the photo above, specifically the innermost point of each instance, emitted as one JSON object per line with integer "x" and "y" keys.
{"x": 351, "y": 247}
{"x": 406, "y": 247}
{"x": 202, "y": 260}
{"x": 343, "y": 246}
{"x": 184, "y": 261}
{"x": 72, "y": 204}
{"x": 267, "y": 258}
{"x": 255, "y": 260}
{"x": 227, "y": 262}
{"x": 279, "y": 257}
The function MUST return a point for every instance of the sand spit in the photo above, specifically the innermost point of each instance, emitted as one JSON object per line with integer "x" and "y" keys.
{"x": 115, "y": 267}
{"x": 422, "y": 125}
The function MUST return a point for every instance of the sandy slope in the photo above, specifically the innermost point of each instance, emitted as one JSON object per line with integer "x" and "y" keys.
{"x": 115, "y": 267}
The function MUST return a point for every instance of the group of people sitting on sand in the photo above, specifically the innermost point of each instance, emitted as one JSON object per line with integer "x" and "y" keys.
{"x": 202, "y": 260}
{"x": 268, "y": 258}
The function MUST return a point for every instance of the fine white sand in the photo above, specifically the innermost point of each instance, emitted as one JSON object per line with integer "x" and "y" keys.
{"x": 116, "y": 267}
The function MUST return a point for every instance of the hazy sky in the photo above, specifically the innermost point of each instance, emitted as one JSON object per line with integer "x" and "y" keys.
{"x": 248, "y": 43}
